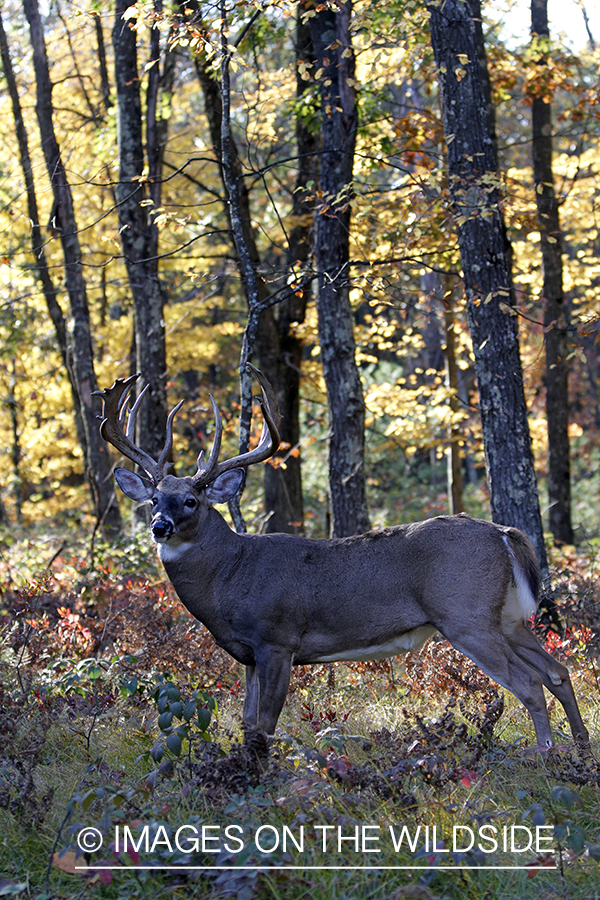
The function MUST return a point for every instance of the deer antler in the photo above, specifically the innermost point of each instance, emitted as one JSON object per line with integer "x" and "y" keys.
{"x": 266, "y": 447}
{"x": 113, "y": 429}
{"x": 114, "y": 409}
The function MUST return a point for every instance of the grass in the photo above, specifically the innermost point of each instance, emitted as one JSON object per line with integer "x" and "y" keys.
{"x": 350, "y": 787}
{"x": 428, "y": 745}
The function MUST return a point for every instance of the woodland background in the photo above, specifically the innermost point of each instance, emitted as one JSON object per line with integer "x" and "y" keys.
{"x": 183, "y": 187}
{"x": 175, "y": 288}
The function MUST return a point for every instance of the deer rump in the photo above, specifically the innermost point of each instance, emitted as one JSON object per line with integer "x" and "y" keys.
{"x": 277, "y": 600}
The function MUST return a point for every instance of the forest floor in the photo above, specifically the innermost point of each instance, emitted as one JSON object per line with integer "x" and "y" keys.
{"x": 123, "y": 771}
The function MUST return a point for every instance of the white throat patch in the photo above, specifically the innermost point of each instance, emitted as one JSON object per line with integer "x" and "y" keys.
{"x": 172, "y": 550}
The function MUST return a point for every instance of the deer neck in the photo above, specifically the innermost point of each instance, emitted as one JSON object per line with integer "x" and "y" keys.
{"x": 199, "y": 564}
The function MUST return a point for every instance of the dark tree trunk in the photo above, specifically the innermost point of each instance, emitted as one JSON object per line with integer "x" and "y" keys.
{"x": 330, "y": 32}
{"x": 555, "y": 313}
{"x": 15, "y": 450}
{"x": 4, "y": 520}
{"x": 101, "y": 48}
{"x": 278, "y": 349}
{"x": 98, "y": 467}
{"x": 139, "y": 237}
{"x": 160, "y": 88}
{"x": 489, "y": 104}
{"x": 474, "y": 189}
{"x": 283, "y": 488}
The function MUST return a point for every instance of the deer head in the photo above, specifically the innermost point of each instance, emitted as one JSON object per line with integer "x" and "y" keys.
{"x": 178, "y": 503}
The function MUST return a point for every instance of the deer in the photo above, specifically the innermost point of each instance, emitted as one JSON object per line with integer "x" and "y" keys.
{"x": 273, "y": 601}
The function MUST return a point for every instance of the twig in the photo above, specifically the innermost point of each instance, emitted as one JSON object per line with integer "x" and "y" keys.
{"x": 55, "y": 845}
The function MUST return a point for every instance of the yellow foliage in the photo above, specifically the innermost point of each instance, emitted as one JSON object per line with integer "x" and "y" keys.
{"x": 402, "y": 234}
{"x": 419, "y": 414}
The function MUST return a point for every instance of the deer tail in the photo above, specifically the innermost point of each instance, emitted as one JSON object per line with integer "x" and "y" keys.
{"x": 526, "y": 570}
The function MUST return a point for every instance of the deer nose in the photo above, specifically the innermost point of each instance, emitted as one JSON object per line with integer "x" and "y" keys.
{"x": 162, "y": 528}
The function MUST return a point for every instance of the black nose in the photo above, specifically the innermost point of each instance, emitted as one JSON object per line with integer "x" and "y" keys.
{"x": 161, "y": 527}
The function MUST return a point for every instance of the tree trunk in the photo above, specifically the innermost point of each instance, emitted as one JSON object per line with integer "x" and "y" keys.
{"x": 278, "y": 349}
{"x": 139, "y": 238}
{"x": 98, "y": 467}
{"x": 474, "y": 189}
{"x": 101, "y": 50}
{"x": 283, "y": 488}
{"x": 15, "y": 450}
{"x": 37, "y": 241}
{"x": 330, "y": 32}
{"x": 160, "y": 89}
{"x": 555, "y": 313}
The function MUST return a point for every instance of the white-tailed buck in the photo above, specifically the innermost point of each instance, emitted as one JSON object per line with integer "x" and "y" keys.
{"x": 277, "y": 600}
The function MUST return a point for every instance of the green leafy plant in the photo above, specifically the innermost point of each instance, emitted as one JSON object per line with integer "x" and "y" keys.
{"x": 565, "y": 812}
{"x": 179, "y": 717}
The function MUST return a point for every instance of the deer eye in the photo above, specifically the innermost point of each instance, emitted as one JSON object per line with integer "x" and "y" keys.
{"x": 190, "y": 503}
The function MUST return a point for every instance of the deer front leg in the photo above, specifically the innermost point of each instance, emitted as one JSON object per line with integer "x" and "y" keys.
{"x": 267, "y": 683}
{"x": 251, "y": 698}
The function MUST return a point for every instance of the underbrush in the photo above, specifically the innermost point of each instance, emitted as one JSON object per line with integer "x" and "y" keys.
{"x": 120, "y": 727}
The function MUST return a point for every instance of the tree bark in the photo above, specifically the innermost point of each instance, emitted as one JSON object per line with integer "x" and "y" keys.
{"x": 101, "y": 48}
{"x": 159, "y": 90}
{"x": 283, "y": 487}
{"x": 98, "y": 467}
{"x": 15, "y": 450}
{"x": 555, "y": 313}
{"x": 278, "y": 349}
{"x": 37, "y": 242}
{"x": 330, "y": 32}
{"x": 139, "y": 237}
{"x": 474, "y": 190}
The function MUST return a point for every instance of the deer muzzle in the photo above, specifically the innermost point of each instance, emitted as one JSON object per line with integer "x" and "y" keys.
{"x": 162, "y": 528}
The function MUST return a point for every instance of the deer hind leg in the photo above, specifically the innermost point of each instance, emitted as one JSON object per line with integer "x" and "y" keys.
{"x": 493, "y": 653}
{"x": 554, "y": 676}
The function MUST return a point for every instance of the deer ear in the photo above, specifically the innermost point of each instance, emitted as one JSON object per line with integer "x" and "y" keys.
{"x": 225, "y": 486}
{"x": 133, "y": 486}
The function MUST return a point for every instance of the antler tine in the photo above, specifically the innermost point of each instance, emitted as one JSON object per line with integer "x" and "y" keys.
{"x": 267, "y": 445}
{"x": 268, "y": 404}
{"x": 203, "y": 473}
{"x": 162, "y": 459}
{"x": 122, "y": 402}
{"x": 114, "y": 401}
{"x": 132, "y": 412}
